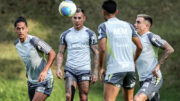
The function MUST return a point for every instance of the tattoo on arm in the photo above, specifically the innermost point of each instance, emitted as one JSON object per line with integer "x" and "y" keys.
{"x": 167, "y": 51}
{"x": 96, "y": 58}
{"x": 60, "y": 56}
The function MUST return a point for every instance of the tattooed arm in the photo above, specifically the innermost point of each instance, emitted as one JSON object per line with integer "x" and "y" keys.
{"x": 167, "y": 51}
{"x": 96, "y": 62}
{"x": 60, "y": 59}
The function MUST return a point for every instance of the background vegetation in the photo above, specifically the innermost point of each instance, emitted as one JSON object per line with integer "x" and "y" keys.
{"x": 45, "y": 22}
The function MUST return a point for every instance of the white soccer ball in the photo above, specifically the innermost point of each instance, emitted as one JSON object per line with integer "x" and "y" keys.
{"x": 67, "y": 8}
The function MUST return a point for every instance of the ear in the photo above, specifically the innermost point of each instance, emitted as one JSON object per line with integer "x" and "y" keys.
{"x": 117, "y": 11}
{"x": 84, "y": 18}
{"x": 27, "y": 29}
{"x": 148, "y": 25}
{"x": 104, "y": 12}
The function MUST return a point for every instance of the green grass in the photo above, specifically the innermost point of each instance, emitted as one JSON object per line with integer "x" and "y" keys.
{"x": 45, "y": 22}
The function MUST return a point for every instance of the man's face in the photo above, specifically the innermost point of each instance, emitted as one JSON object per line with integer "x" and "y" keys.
{"x": 78, "y": 20}
{"x": 21, "y": 30}
{"x": 140, "y": 25}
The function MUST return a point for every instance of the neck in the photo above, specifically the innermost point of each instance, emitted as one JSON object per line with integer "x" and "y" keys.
{"x": 143, "y": 32}
{"x": 110, "y": 16}
{"x": 78, "y": 28}
{"x": 22, "y": 39}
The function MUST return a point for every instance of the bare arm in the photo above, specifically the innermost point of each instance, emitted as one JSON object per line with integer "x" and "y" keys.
{"x": 96, "y": 62}
{"x": 139, "y": 48}
{"x": 51, "y": 58}
{"x": 102, "y": 57}
{"x": 60, "y": 59}
{"x": 168, "y": 50}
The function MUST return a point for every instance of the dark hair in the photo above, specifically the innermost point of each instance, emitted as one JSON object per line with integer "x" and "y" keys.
{"x": 110, "y": 6}
{"x": 20, "y": 19}
{"x": 79, "y": 10}
{"x": 146, "y": 17}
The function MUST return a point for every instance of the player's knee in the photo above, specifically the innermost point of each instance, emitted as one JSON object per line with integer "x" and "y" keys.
{"x": 35, "y": 99}
{"x": 138, "y": 98}
{"x": 84, "y": 97}
{"x": 68, "y": 97}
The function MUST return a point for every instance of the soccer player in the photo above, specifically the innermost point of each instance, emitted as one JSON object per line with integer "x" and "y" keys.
{"x": 116, "y": 45}
{"x": 38, "y": 72}
{"x": 78, "y": 41}
{"x": 147, "y": 64}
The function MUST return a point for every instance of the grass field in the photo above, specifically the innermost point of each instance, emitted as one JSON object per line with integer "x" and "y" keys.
{"x": 45, "y": 22}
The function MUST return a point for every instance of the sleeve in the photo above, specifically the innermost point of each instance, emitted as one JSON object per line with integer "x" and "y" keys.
{"x": 92, "y": 37}
{"x": 101, "y": 31}
{"x": 156, "y": 40}
{"x": 16, "y": 42}
{"x": 40, "y": 45}
{"x": 62, "y": 37}
{"x": 134, "y": 33}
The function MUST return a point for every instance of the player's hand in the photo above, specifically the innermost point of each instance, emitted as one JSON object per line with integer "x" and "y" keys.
{"x": 94, "y": 77}
{"x": 59, "y": 73}
{"x": 155, "y": 70}
{"x": 101, "y": 74}
{"x": 42, "y": 76}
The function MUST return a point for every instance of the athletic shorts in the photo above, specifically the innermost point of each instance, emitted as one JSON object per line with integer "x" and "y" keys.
{"x": 124, "y": 79}
{"x": 151, "y": 87}
{"x": 78, "y": 75}
{"x": 43, "y": 87}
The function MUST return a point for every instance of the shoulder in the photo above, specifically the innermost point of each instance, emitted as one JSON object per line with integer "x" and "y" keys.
{"x": 102, "y": 25}
{"x": 89, "y": 31}
{"x": 16, "y": 42}
{"x": 102, "y": 28}
{"x": 33, "y": 39}
{"x": 153, "y": 36}
{"x": 156, "y": 39}
{"x": 122, "y": 22}
{"x": 66, "y": 32}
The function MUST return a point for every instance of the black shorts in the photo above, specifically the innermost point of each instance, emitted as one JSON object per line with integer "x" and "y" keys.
{"x": 124, "y": 79}
{"x": 43, "y": 87}
{"x": 151, "y": 87}
{"x": 78, "y": 75}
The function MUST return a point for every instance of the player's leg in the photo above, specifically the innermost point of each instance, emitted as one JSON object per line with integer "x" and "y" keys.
{"x": 31, "y": 90}
{"x": 128, "y": 86}
{"x": 112, "y": 83}
{"x": 110, "y": 92}
{"x": 43, "y": 90}
{"x": 39, "y": 96}
{"x": 140, "y": 97}
{"x": 148, "y": 89}
{"x": 128, "y": 94}
{"x": 83, "y": 83}
{"x": 83, "y": 90}
{"x": 70, "y": 85}
{"x": 156, "y": 97}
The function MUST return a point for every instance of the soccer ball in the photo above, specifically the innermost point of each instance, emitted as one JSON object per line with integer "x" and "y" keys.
{"x": 67, "y": 8}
